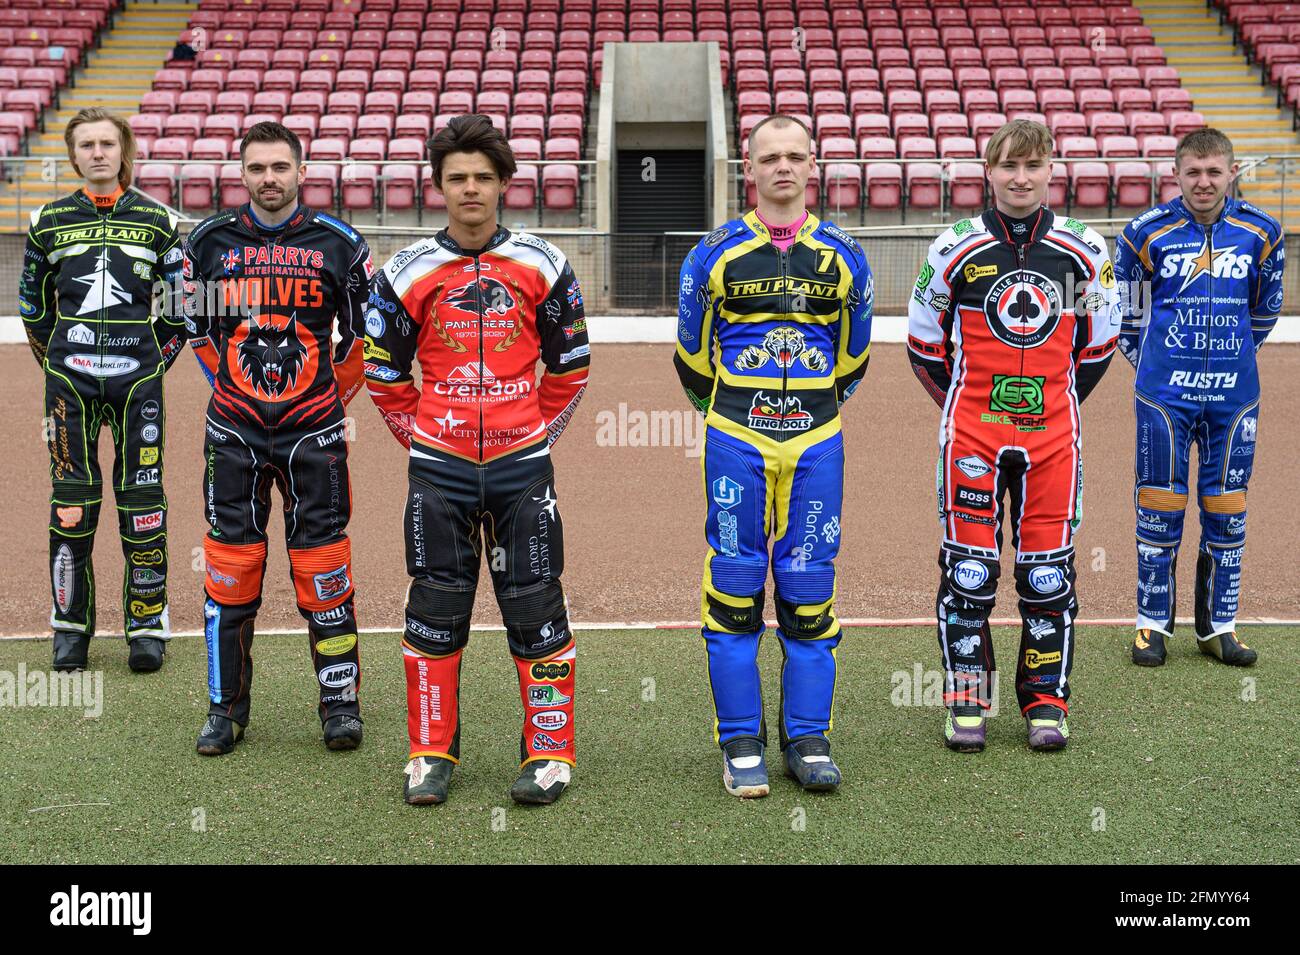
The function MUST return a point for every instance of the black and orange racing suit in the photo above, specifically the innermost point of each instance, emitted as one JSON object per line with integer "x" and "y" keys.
{"x": 264, "y": 302}
{"x": 479, "y": 432}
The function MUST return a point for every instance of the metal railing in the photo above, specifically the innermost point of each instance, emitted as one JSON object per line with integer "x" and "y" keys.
{"x": 57, "y": 178}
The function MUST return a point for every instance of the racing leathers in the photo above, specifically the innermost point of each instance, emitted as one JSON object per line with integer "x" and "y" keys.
{"x": 1011, "y": 324}
{"x": 479, "y": 430}
{"x": 770, "y": 343}
{"x": 1199, "y": 300}
{"x": 264, "y": 303}
{"x": 95, "y": 305}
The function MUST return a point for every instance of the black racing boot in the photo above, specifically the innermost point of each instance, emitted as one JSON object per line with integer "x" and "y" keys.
{"x": 146, "y": 654}
{"x": 342, "y": 732}
{"x": 1226, "y": 647}
{"x": 1149, "y": 648}
{"x": 218, "y": 736}
{"x": 71, "y": 650}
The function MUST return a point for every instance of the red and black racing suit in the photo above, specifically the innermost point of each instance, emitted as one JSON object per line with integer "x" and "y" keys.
{"x": 1012, "y": 323}
{"x": 264, "y": 302}
{"x": 479, "y": 432}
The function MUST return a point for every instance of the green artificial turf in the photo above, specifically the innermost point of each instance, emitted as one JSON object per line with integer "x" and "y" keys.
{"x": 1164, "y": 766}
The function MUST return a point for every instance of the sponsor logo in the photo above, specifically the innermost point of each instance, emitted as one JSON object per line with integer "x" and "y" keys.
{"x": 1147, "y": 552}
{"x": 101, "y": 366}
{"x": 577, "y": 328}
{"x": 923, "y": 281}
{"x": 149, "y": 410}
{"x": 69, "y": 516}
{"x": 338, "y": 675}
{"x": 957, "y": 620}
{"x": 1022, "y": 309}
{"x": 147, "y": 522}
{"x": 714, "y": 237}
{"x": 173, "y": 256}
{"x": 940, "y": 303}
{"x": 1225, "y": 380}
{"x": 143, "y": 577}
{"x": 726, "y": 492}
{"x": 1075, "y": 226}
{"x": 149, "y": 455}
{"x": 147, "y": 558}
{"x": 147, "y": 476}
{"x": 974, "y": 272}
{"x": 580, "y": 352}
{"x": 1017, "y": 394}
{"x": 336, "y": 615}
{"x": 537, "y": 242}
{"x": 974, "y": 519}
{"x": 728, "y": 534}
{"x": 327, "y": 439}
{"x": 230, "y": 262}
{"x": 973, "y": 498}
{"x": 141, "y": 609}
{"x": 553, "y": 720}
{"x": 426, "y": 632}
{"x": 778, "y": 414}
{"x": 1047, "y": 580}
{"x": 149, "y": 433}
{"x": 1039, "y": 628}
{"x": 963, "y": 227}
{"x": 1236, "y": 475}
{"x": 336, "y": 646}
{"x": 965, "y": 647}
{"x": 334, "y": 583}
{"x": 1035, "y": 659}
{"x": 81, "y": 335}
{"x": 272, "y": 352}
{"x": 63, "y": 569}
{"x": 1021, "y": 422}
{"x": 375, "y": 324}
{"x": 549, "y": 634}
{"x": 550, "y": 671}
{"x": 483, "y": 296}
{"x": 543, "y": 742}
{"x": 543, "y": 694}
{"x": 970, "y": 574}
{"x": 972, "y": 466}
{"x": 379, "y": 373}
{"x": 1248, "y": 426}
{"x": 1107, "y": 275}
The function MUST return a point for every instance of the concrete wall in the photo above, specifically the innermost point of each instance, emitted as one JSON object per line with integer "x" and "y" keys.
{"x": 660, "y": 96}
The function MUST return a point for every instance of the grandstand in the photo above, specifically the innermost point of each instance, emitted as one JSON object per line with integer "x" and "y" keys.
{"x": 901, "y": 94}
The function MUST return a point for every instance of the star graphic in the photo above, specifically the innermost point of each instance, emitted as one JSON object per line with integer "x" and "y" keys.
{"x": 446, "y": 422}
{"x": 548, "y": 502}
{"x": 1204, "y": 262}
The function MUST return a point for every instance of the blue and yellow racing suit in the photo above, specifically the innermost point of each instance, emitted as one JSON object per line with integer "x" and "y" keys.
{"x": 770, "y": 343}
{"x": 1198, "y": 302}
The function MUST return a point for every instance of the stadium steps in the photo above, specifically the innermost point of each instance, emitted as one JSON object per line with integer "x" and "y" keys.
{"x": 1229, "y": 93}
{"x": 115, "y": 76}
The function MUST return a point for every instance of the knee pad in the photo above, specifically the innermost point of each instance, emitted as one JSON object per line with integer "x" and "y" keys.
{"x": 728, "y": 614}
{"x": 322, "y": 575}
{"x": 812, "y": 582}
{"x": 537, "y": 622}
{"x": 234, "y": 571}
{"x": 806, "y": 621}
{"x": 141, "y": 512}
{"x": 1047, "y": 584}
{"x": 969, "y": 578}
{"x": 1223, "y": 519}
{"x": 1160, "y": 516}
{"x": 437, "y": 620}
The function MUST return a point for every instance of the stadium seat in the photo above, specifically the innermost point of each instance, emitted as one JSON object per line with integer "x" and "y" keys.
{"x": 360, "y": 184}
{"x": 966, "y": 185}
{"x": 924, "y": 185}
{"x": 401, "y": 182}
{"x": 319, "y": 187}
{"x": 1090, "y": 184}
{"x": 233, "y": 191}
{"x": 559, "y": 186}
{"x": 1132, "y": 184}
{"x": 155, "y": 180}
{"x": 843, "y": 185}
{"x": 198, "y": 186}
{"x": 884, "y": 185}
{"x": 522, "y": 191}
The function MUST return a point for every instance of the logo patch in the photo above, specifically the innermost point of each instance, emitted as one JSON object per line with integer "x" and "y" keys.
{"x": 973, "y": 498}
{"x": 972, "y": 466}
{"x": 1017, "y": 394}
{"x": 336, "y": 646}
{"x": 333, "y": 584}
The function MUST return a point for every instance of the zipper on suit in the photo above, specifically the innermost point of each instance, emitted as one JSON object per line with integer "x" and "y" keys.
{"x": 478, "y": 298}
{"x": 1021, "y": 260}
{"x": 782, "y": 258}
{"x": 1209, "y": 324}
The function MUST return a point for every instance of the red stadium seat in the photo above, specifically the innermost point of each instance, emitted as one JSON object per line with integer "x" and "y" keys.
{"x": 198, "y": 186}
{"x": 843, "y": 185}
{"x": 522, "y": 191}
{"x": 924, "y": 185}
{"x": 1090, "y": 184}
{"x": 966, "y": 184}
{"x": 1132, "y": 184}
{"x": 156, "y": 180}
{"x": 884, "y": 185}
{"x": 360, "y": 182}
{"x": 320, "y": 186}
{"x": 559, "y": 186}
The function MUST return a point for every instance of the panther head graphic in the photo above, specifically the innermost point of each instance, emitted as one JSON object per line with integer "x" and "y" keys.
{"x": 494, "y": 296}
{"x": 271, "y": 357}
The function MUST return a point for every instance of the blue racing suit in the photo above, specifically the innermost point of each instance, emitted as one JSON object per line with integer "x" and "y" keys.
{"x": 1198, "y": 302}
{"x": 770, "y": 343}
